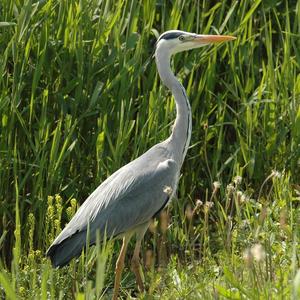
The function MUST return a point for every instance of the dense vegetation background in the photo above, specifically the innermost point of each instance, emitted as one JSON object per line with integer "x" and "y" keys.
{"x": 80, "y": 97}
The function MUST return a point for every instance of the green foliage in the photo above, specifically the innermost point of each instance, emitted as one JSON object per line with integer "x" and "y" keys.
{"x": 80, "y": 97}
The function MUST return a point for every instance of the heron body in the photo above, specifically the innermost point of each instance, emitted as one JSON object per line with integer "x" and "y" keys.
{"x": 128, "y": 198}
{"x": 125, "y": 203}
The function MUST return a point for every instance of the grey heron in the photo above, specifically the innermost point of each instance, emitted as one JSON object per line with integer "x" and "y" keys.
{"x": 125, "y": 203}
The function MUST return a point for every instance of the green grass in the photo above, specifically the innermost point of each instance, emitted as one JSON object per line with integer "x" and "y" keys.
{"x": 80, "y": 97}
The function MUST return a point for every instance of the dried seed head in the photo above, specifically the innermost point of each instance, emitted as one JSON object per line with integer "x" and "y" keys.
{"x": 230, "y": 188}
{"x": 199, "y": 203}
{"x": 237, "y": 180}
{"x": 216, "y": 185}
{"x": 208, "y": 205}
{"x": 276, "y": 174}
{"x": 239, "y": 195}
{"x": 244, "y": 198}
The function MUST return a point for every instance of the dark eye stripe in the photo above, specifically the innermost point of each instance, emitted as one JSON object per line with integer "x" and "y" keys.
{"x": 170, "y": 35}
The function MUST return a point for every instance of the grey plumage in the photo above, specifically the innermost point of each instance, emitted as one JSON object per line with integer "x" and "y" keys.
{"x": 128, "y": 198}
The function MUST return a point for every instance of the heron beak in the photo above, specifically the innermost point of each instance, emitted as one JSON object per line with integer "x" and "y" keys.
{"x": 212, "y": 39}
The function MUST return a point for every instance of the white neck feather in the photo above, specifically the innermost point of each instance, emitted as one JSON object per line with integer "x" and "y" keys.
{"x": 181, "y": 134}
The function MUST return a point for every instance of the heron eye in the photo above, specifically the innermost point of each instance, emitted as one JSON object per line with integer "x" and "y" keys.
{"x": 181, "y": 38}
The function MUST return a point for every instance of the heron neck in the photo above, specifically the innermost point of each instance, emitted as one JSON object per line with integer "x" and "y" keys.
{"x": 180, "y": 137}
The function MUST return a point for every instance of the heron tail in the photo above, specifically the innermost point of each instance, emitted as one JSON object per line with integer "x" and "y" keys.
{"x": 61, "y": 253}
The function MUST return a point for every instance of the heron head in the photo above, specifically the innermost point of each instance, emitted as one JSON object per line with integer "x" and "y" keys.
{"x": 175, "y": 41}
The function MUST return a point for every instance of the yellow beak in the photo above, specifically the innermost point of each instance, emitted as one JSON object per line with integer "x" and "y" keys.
{"x": 211, "y": 39}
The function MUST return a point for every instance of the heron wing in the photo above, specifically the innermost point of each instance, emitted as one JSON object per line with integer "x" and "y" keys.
{"x": 129, "y": 197}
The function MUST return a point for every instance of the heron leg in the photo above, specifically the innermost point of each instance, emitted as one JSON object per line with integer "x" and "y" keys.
{"x": 136, "y": 267}
{"x": 135, "y": 261}
{"x": 120, "y": 266}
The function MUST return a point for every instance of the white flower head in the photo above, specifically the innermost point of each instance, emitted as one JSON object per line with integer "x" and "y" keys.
{"x": 258, "y": 252}
{"x": 168, "y": 190}
{"x": 275, "y": 174}
{"x": 216, "y": 185}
